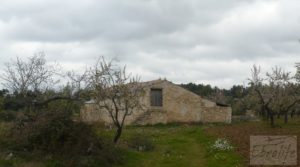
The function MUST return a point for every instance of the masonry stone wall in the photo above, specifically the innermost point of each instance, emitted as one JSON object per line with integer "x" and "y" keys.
{"x": 179, "y": 105}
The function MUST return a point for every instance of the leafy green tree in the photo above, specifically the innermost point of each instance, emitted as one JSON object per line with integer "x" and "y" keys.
{"x": 237, "y": 91}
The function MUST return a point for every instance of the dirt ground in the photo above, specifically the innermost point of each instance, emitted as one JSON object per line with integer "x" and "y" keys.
{"x": 239, "y": 134}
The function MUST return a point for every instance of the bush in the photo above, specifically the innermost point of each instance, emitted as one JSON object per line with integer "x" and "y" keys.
{"x": 54, "y": 134}
{"x": 141, "y": 142}
{"x": 7, "y": 115}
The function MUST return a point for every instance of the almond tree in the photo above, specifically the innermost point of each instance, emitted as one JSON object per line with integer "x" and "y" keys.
{"x": 297, "y": 76}
{"x": 33, "y": 78}
{"x": 115, "y": 92}
{"x": 29, "y": 78}
{"x": 35, "y": 75}
{"x": 277, "y": 92}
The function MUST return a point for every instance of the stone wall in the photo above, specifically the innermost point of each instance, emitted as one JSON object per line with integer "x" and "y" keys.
{"x": 179, "y": 105}
{"x": 216, "y": 114}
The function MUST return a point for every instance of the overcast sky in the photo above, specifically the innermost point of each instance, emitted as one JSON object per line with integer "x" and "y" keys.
{"x": 203, "y": 41}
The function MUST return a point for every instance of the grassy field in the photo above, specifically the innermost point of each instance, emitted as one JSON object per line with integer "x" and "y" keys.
{"x": 173, "y": 145}
{"x": 176, "y": 145}
{"x": 179, "y": 145}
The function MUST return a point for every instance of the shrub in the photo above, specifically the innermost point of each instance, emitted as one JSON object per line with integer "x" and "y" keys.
{"x": 7, "y": 115}
{"x": 54, "y": 134}
{"x": 141, "y": 142}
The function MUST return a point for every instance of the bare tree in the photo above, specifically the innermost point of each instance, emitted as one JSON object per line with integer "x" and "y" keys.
{"x": 277, "y": 92}
{"x": 297, "y": 76}
{"x": 77, "y": 83}
{"x": 30, "y": 79}
{"x": 256, "y": 82}
{"x": 115, "y": 92}
{"x": 33, "y": 75}
{"x": 112, "y": 88}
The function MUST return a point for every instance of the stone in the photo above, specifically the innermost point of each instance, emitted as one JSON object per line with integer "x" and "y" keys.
{"x": 178, "y": 105}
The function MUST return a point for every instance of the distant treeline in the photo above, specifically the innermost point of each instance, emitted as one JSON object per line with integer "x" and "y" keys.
{"x": 236, "y": 91}
{"x": 234, "y": 97}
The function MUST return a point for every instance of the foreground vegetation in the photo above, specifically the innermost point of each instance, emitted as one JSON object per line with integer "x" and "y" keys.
{"x": 160, "y": 145}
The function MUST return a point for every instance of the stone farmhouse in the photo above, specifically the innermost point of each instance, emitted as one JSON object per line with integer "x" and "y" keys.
{"x": 164, "y": 103}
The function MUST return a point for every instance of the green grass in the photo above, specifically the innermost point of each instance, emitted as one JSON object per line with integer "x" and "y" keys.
{"x": 6, "y": 163}
{"x": 176, "y": 145}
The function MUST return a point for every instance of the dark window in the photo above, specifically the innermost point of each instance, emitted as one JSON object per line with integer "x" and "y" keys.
{"x": 156, "y": 97}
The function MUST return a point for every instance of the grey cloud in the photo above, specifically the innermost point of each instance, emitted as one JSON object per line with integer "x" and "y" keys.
{"x": 199, "y": 41}
{"x": 111, "y": 20}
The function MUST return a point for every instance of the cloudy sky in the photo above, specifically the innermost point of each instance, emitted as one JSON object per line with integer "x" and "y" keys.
{"x": 204, "y": 41}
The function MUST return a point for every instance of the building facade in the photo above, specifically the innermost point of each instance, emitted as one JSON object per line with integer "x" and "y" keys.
{"x": 165, "y": 102}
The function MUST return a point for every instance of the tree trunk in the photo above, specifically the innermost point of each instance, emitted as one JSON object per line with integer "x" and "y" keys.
{"x": 292, "y": 113}
{"x": 263, "y": 112}
{"x": 286, "y": 118}
{"x": 118, "y": 134}
{"x": 278, "y": 115}
{"x": 268, "y": 115}
{"x": 271, "y": 116}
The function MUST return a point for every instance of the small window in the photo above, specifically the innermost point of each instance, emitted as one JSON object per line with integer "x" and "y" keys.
{"x": 156, "y": 97}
